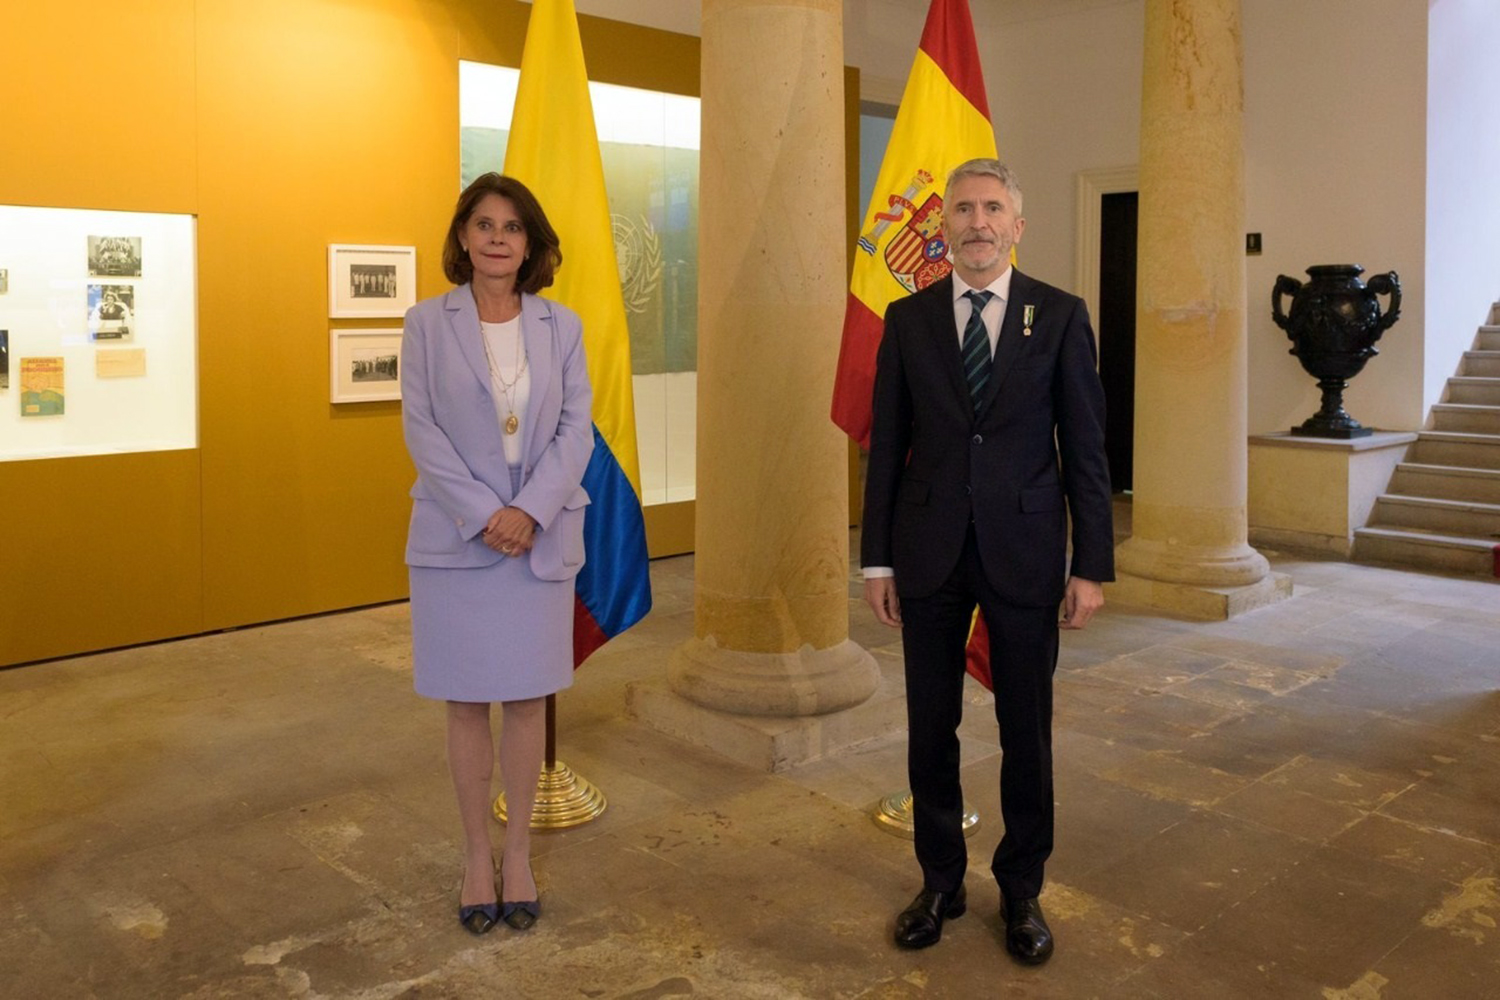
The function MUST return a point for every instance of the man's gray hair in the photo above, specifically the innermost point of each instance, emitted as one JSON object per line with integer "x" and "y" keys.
{"x": 987, "y": 168}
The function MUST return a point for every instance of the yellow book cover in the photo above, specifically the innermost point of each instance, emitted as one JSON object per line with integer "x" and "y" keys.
{"x": 41, "y": 387}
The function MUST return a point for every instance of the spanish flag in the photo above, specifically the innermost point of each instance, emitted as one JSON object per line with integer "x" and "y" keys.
{"x": 554, "y": 150}
{"x": 944, "y": 119}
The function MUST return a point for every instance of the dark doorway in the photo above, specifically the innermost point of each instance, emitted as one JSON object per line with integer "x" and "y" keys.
{"x": 1117, "y": 332}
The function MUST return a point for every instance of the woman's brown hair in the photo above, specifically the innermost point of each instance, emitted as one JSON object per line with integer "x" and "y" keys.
{"x": 544, "y": 252}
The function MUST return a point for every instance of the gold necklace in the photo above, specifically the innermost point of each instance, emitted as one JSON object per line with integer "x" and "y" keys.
{"x": 512, "y": 422}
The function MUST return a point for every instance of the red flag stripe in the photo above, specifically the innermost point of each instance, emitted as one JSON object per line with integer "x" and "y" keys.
{"x": 587, "y": 635}
{"x": 854, "y": 386}
{"x": 948, "y": 40}
{"x": 977, "y": 655}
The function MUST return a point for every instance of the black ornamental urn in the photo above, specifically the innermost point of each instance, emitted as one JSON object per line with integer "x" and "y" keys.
{"x": 1333, "y": 324}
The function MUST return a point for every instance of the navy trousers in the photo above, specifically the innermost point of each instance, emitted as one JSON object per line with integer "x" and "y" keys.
{"x": 1023, "y": 658}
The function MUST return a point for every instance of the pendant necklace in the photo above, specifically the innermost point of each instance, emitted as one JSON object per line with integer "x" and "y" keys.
{"x": 512, "y": 422}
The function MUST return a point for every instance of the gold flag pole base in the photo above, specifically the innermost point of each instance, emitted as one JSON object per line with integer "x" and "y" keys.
{"x": 563, "y": 800}
{"x": 894, "y": 816}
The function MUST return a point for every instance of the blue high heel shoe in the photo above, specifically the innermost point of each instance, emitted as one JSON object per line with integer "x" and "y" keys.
{"x": 521, "y": 914}
{"x": 479, "y": 918}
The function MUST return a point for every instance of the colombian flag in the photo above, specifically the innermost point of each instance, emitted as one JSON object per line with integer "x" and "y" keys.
{"x": 554, "y": 150}
{"x": 944, "y": 119}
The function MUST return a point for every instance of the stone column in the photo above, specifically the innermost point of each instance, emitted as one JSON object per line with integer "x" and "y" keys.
{"x": 1189, "y": 550}
{"x": 771, "y": 625}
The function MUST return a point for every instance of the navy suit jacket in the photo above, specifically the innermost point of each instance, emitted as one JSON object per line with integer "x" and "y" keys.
{"x": 454, "y": 436}
{"x": 1032, "y": 455}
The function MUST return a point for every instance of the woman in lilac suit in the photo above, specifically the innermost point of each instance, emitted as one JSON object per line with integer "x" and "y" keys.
{"x": 497, "y": 414}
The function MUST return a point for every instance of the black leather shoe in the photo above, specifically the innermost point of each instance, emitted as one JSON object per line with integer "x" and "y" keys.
{"x": 921, "y": 923}
{"x": 1027, "y": 936}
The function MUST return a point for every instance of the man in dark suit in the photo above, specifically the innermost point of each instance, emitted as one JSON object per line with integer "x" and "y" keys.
{"x": 988, "y": 434}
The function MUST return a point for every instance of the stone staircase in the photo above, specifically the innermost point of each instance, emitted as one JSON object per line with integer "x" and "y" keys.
{"x": 1442, "y": 508}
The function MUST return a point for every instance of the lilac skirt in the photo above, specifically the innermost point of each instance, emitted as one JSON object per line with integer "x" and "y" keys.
{"x": 495, "y": 633}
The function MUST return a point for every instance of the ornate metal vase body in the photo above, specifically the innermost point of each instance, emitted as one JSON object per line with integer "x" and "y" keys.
{"x": 1334, "y": 322}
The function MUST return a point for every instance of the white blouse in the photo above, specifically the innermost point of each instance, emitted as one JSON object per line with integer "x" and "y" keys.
{"x": 505, "y": 353}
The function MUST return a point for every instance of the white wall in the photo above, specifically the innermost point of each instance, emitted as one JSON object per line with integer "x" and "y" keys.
{"x": 1335, "y": 114}
{"x": 1463, "y": 185}
{"x": 1065, "y": 96}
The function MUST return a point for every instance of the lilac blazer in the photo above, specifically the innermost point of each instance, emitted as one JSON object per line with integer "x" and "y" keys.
{"x": 448, "y": 415}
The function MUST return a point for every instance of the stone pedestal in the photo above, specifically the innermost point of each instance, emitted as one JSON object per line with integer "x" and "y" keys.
{"x": 771, "y": 743}
{"x": 1195, "y": 600}
{"x": 1312, "y": 493}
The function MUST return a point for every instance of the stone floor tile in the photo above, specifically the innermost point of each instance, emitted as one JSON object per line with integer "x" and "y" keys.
{"x": 1156, "y": 668}
{"x": 1290, "y": 811}
{"x": 1166, "y": 775}
{"x": 1200, "y": 969}
{"x": 1098, "y": 822}
{"x": 1461, "y": 799}
{"x": 1436, "y": 853}
{"x": 1330, "y": 917}
{"x": 1195, "y": 870}
{"x": 1454, "y": 952}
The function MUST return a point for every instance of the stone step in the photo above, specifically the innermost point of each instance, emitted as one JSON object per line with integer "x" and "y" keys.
{"x": 1466, "y": 418}
{"x": 1488, "y": 339}
{"x": 1424, "y": 550}
{"x": 1446, "y": 482}
{"x": 1495, "y": 313}
{"x": 1472, "y": 451}
{"x": 1486, "y": 363}
{"x": 1479, "y": 391}
{"x": 1460, "y": 518}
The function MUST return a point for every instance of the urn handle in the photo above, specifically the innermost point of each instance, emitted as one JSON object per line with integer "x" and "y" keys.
{"x": 1286, "y": 285}
{"x": 1387, "y": 284}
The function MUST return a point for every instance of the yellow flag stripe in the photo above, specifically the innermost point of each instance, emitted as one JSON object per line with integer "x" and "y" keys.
{"x": 936, "y": 129}
{"x": 554, "y": 150}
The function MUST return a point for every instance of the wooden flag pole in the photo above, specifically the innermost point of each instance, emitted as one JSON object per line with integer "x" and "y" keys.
{"x": 563, "y": 799}
{"x": 551, "y": 758}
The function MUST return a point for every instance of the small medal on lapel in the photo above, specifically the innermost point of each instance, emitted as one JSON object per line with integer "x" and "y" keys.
{"x": 1026, "y": 316}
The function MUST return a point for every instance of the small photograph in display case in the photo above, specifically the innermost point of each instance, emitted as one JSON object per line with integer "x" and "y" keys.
{"x": 114, "y": 256}
{"x": 41, "y": 387}
{"x": 4, "y": 359}
{"x": 4, "y": 280}
{"x": 111, "y": 312}
{"x": 371, "y": 281}
{"x": 364, "y": 365}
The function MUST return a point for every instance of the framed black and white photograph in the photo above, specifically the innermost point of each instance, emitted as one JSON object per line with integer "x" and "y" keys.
{"x": 364, "y": 365}
{"x": 112, "y": 312}
{"x": 365, "y": 281}
{"x": 114, "y": 256}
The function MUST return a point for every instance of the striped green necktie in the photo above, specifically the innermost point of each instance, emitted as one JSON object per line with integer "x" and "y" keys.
{"x": 976, "y": 347}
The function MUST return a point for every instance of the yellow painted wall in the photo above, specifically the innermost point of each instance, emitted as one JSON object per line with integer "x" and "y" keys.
{"x": 284, "y": 126}
{"x": 98, "y": 113}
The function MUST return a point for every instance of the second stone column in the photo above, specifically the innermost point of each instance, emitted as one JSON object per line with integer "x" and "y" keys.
{"x": 771, "y": 612}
